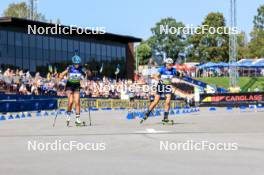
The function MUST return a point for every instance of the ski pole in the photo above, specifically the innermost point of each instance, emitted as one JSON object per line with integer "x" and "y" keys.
{"x": 89, "y": 113}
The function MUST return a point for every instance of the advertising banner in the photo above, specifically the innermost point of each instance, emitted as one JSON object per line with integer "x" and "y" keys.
{"x": 232, "y": 99}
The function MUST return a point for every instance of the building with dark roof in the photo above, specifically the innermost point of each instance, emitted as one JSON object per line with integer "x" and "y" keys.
{"x": 34, "y": 52}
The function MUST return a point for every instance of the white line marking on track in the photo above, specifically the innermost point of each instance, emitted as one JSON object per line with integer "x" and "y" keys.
{"x": 152, "y": 131}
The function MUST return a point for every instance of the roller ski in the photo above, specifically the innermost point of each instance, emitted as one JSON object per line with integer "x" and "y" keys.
{"x": 78, "y": 122}
{"x": 167, "y": 122}
{"x": 166, "y": 119}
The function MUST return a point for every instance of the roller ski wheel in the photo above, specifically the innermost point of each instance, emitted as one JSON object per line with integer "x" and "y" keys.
{"x": 80, "y": 124}
{"x": 169, "y": 122}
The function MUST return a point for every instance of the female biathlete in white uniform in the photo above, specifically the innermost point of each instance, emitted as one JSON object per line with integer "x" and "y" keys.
{"x": 75, "y": 73}
{"x": 164, "y": 77}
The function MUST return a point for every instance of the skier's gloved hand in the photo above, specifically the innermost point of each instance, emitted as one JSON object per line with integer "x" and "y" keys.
{"x": 160, "y": 82}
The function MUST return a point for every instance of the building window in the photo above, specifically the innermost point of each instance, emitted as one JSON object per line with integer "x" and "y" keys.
{"x": 104, "y": 56}
{"x": 11, "y": 52}
{"x": 64, "y": 44}
{"x": 118, "y": 53}
{"x": 39, "y": 47}
{"x": 19, "y": 53}
{"x": 18, "y": 39}
{"x": 32, "y": 53}
{"x": 93, "y": 49}
{"x": 25, "y": 53}
{"x": 25, "y": 40}
{"x": 11, "y": 60}
{"x": 76, "y": 46}
{"x": 52, "y": 50}
{"x": 123, "y": 52}
{"x": 52, "y": 43}
{"x": 87, "y": 48}
{"x": 45, "y": 42}
{"x": 82, "y": 47}
{"x": 82, "y": 52}
{"x": 46, "y": 48}
{"x": 99, "y": 51}
{"x": 19, "y": 63}
{"x": 11, "y": 38}
{"x": 39, "y": 41}
{"x": 70, "y": 45}
{"x": 58, "y": 44}
{"x": 108, "y": 52}
{"x": 32, "y": 42}
{"x": 3, "y": 37}
{"x": 25, "y": 63}
{"x": 32, "y": 65}
{"x": 58, "y": 50}
{"x": 113, "y": 52}
{"x": 64, "y": 47}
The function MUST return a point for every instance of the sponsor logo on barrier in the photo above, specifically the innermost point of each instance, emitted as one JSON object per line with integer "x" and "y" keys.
{"x": 244, "y": 98}
{"x": 233, "y": 98}
{"x": 116, "y": 103}
{"x": 248, "y": 97}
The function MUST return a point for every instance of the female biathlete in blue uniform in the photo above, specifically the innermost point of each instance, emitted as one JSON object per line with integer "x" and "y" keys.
{"x": 75, "y": 73}
{"x": 164, "y": 77}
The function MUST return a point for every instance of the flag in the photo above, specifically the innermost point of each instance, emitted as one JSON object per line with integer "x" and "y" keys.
{"x": 50, "y": 68}
{"x": 117, "y": 69}
{"x": 102, "y": 68}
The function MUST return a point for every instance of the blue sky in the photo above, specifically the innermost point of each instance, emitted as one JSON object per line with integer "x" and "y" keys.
{"x": 136, "y": 17}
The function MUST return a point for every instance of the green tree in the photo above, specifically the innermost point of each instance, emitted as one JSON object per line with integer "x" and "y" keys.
{"x": 143, "y": 53}
{"x": 259, "y": 18}
{"x": 21, "y": 10}
{"x": 257, "y": 35}
{"x": 256, "y": 43}
{"x": 171, "y": 43}
{"x": 208, "y": 45}
{"x": 243, "y": 50}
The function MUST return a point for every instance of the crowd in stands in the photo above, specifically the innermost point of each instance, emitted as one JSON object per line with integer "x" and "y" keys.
{"x": 23, "y": 82}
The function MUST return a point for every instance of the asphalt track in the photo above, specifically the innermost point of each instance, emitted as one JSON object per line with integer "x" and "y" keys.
{"x": 133, "y": 149}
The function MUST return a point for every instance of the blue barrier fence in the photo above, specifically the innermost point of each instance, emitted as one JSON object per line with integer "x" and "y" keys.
{"x": 20, "y": 103}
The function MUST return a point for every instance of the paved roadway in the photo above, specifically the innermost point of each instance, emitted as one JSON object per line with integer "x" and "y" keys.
{"x": 125, "y": 147}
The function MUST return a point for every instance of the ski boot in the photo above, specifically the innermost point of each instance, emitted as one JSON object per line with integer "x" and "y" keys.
{"x": 68, "y": 115}
{"x": 78, "y": 122}
{"x": 166, "y": 119}
{"x": 145, "y": 117}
